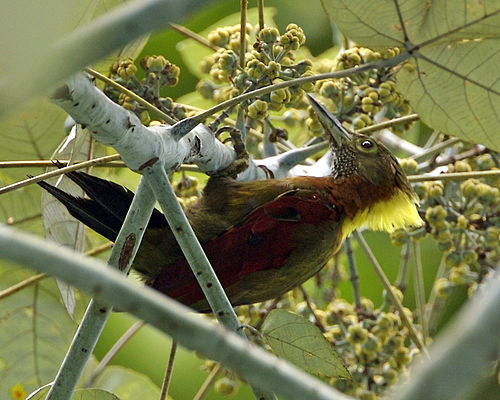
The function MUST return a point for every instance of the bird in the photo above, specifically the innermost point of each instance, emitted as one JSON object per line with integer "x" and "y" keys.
{"x": 262, "y": 237}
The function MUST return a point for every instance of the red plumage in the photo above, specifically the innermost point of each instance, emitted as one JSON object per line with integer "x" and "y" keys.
{"x": 263, "y": 240}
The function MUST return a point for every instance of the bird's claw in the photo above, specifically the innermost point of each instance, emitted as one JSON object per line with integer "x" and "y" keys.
{"x": 240, "y": 163}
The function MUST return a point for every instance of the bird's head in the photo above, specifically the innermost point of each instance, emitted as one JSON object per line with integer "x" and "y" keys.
{"x": 385, "y": 198}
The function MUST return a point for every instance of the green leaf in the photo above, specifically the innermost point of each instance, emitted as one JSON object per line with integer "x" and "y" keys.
{"x": 299, "y": 341}
{"x": 80, "y": 394}
{"x": 93, "y": 394}
{"x": 127, "y": 384}
{"x": 36, "y": 30}
{"x": 32, "y": 133}
{"x": 35, "y": 332}
{"x": 21, "y": 207}
{"x": 463, "y": 102}
{"x": 455, "y": 84}
{"x": 59, "y": 225}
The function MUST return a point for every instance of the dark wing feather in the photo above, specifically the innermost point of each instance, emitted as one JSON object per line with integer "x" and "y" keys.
{"x": 87, "y": 211}
{"x": 106, "y": 207}
{"x": 263, "y": 240}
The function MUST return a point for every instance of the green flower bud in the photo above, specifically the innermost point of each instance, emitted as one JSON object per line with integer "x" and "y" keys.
{"x": 268, "y": 35}
{"x": 258, "y": 110}
{"x": 357, "y": 334}
{"x": 402, "y": 356}
{"x": 219, "y": 37}
{"x": 443, "y": 287}
{"x": 225, "y": 386}
{"x": 469, "y": 188}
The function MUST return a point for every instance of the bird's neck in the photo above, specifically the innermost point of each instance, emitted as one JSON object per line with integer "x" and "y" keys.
{"x": 377, "y": 207}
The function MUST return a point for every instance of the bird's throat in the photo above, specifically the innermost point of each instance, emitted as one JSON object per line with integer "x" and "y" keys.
{"x": 399, "y": 211}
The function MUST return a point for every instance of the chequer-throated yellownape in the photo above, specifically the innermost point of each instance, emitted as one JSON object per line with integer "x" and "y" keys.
{"x": 262, "y": 237}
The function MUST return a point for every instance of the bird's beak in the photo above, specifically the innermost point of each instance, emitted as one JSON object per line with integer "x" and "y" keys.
{"x": 331, "y": 124}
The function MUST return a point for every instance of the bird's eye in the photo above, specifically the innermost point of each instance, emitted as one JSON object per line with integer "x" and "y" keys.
{"x": 367, "y": 145}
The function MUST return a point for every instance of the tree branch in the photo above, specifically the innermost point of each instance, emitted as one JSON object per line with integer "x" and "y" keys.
{"x": 96, "y": 315}
{"x": 212, "y": 341}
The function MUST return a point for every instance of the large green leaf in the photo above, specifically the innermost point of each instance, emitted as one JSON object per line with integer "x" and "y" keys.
{"x": 80, "y": 394}
{"x": 21, "y": 207}
{"x": 35, "y": 331}
{"x": 34, "y": 25}
{"x": 127, "y": 384}
{"x": 455, "y": 84}
{"x": 299, "y": 341}
{"x": 32, "y": 133}
{"x": 59, "y": 225}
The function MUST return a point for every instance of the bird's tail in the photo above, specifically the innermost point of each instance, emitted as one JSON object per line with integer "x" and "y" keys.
{"x": 106, "y": 207}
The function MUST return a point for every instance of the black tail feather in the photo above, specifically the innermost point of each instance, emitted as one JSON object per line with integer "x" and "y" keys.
{"x": 87, "y": 211}
{"x": 106, "y": 207}
{"x": 113, "y": 198}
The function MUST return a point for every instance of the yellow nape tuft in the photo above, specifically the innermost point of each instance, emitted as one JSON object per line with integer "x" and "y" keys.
{"x": 400, "y": 211}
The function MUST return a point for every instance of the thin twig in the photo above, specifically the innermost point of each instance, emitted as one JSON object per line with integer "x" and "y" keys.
{"x": 281, "y": 144}
{"x": 387, "y": 124}
{"x": 168, "y": 371}
{"x": 402, "y": 279}
{"x": 207, "y": 384}
{"x": 397, "y": 143}
{"x": 432, "y": 164}
{"x": 193, "y": 35}
{"x": 435, "y": 303}
{"x": 260, "y": 5}
{"x": 129, "y": 93}
{"x": 50, "y": 163}
{"x": 418, "y": 281}
{"x": 390, "y": 292}
{"x": 243, "y": 31}
{"x": 114, "y": 351}
{"x": 454, "y": 176}
{"x": 309, "y": 306}
{"x": 185, "y": 126}
{"x": 251, "y": 329}
{"x": 12, "y": 221}
{"x": 34, "y": 333}
{"x": 432, "y": 139}
{"x": 435, "y": 149}
{"x": 57, "y": 172}
{"x": 99, "y": 249}
{"x": 353, "y": 272}
{"x": 21, "y": 285}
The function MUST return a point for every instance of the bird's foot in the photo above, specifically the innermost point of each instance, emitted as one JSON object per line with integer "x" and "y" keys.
{"x": 240, "y": 163}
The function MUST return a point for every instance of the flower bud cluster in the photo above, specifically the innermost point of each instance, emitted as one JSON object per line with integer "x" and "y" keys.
{"x": 158, "y": 72}
{"x": 360, "y": 97}
{"x": 270, "y": 58}
{"x": 464, "y": 220}
{"x": 374, "y": 345}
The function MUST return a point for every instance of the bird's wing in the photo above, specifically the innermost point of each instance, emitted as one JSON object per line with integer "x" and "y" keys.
{"x": 263, "y": 240}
